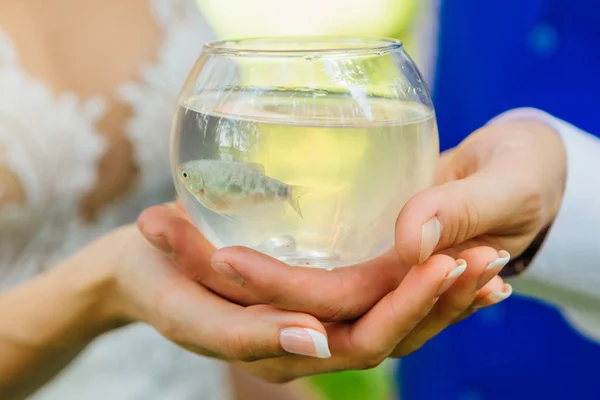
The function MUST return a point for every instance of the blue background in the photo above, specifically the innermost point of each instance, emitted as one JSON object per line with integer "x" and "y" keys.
{"x": 494, "y": 56}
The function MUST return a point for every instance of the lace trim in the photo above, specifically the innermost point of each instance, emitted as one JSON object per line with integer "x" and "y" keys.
{"x": 153, "y": 97}
{"x": 36, "y": 125}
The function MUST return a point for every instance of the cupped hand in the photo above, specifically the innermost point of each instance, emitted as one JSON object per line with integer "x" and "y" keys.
{"x": 146, "y": 286}
{"x": 378, "y": 309}
{"x": 501, "y": 187}
{"x": 248, "y": 277}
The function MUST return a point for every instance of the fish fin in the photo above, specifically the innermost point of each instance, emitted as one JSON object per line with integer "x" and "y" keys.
{"x": 256, "y": 167}
{"x": 294, "y": 195}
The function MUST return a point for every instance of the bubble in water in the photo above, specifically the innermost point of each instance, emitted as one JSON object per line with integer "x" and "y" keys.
{"x": 280, "y": 243}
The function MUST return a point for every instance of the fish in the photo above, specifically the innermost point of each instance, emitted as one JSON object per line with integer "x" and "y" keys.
{"x": 234, "y": 188}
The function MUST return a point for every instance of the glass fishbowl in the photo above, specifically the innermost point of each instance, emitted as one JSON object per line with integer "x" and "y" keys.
{"x": 305, "y": 149}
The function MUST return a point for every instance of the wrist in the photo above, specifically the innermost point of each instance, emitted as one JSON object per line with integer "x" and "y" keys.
{"x": 59, "y": 309}
{"x": 89, "y": 289}
{"x": 546, "y": 134}
{"x": 556, "y": 156}
{"x": 90, "y": 278}
{"x": 95, "y": 288}
{"x": 551, "y": 168}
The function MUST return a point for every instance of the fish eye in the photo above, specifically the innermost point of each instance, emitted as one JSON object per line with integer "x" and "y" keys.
{"x": 185, "y": 175}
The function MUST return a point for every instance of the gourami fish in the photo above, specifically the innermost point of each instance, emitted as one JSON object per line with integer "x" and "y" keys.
{"x": 228, "y": 187}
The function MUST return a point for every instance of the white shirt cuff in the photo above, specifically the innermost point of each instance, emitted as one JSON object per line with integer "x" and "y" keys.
{"x": 566, "y": 270}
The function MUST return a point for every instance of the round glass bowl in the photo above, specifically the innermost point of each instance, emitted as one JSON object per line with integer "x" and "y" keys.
{"x": 305, "y": 149}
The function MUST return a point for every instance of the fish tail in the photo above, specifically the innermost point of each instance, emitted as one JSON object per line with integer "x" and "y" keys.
{"x": 294, "y": 194}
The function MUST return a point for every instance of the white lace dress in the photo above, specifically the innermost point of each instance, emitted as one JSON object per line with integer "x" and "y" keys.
{"x": 51, "y": 143}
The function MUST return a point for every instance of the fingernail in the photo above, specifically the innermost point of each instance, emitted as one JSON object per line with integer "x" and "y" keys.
{"x": 159, "y": 242}
{"x": 461, "y": 266}
{"x": 430, "y": 237}
{"x": 493, "y": 268}
{"x": 500, "y": 261}
{"x": 495, "y": 297}
{"x": 305, "y": 342}
{"x": 228, "y": 272}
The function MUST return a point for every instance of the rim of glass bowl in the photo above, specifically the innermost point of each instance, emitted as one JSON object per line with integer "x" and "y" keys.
{"x": 276, "y": 46}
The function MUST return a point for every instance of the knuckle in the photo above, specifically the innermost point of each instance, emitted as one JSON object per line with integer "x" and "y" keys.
{"x": 372, "y": 361}
{"x": 370, "y": 356}
{"x": 464, "y": 221}
{"x": 533, "y": 205}
{"x": 335, "y": 304}
{"x": 471, "y": 219}
{"x": 166, "y": 305}
{"x": 237, "y": 347}
{"x": 170, "y": 330}
{"x": 367, "y": 354}
{"x": 240, "y": 344}
{"x": 532, "y": 200}
{"x": 335, "y": 312}
{"x": 271, "y": 296}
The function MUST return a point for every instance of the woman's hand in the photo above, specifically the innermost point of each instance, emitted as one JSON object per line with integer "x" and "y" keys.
{"x": 501, "y": 187}
{"x": 119, "y": 279}
{"x": 147, "y": 287}
{"x": 383, "y": 308}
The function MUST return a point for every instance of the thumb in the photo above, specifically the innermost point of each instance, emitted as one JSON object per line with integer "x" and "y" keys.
{"x": 199, "y": 320}
{"x": 450, "y": 214}
{"x": 261, "y": 331}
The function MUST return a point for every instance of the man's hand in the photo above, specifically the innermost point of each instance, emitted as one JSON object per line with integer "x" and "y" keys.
{"x": 501, "y": 187}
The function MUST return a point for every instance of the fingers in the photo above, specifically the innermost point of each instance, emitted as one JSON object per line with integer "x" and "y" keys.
{"x": 483, "y": 264}
{"x": 199, "y": 320}
{"x": 344, "y": 293}
{"x": 166, "y": 228}
{"x": 372, "y": 338}
{"x": 494, "y": 292}
{"x": 450, "y": 214}
{"x": 365, "y": 343}
{"x": 249, "y": 277}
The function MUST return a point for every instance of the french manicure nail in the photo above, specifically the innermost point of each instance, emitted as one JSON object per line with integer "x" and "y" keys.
{"x": 461, "y": 267}
{"x": 493, "y": 268}
{"x": 227, "y": 271}
{"x": 305, "y": 342}
{"x": 495, "y": 297}
{"x": 431, "y": 232}
{"x": 500, "y": 261}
